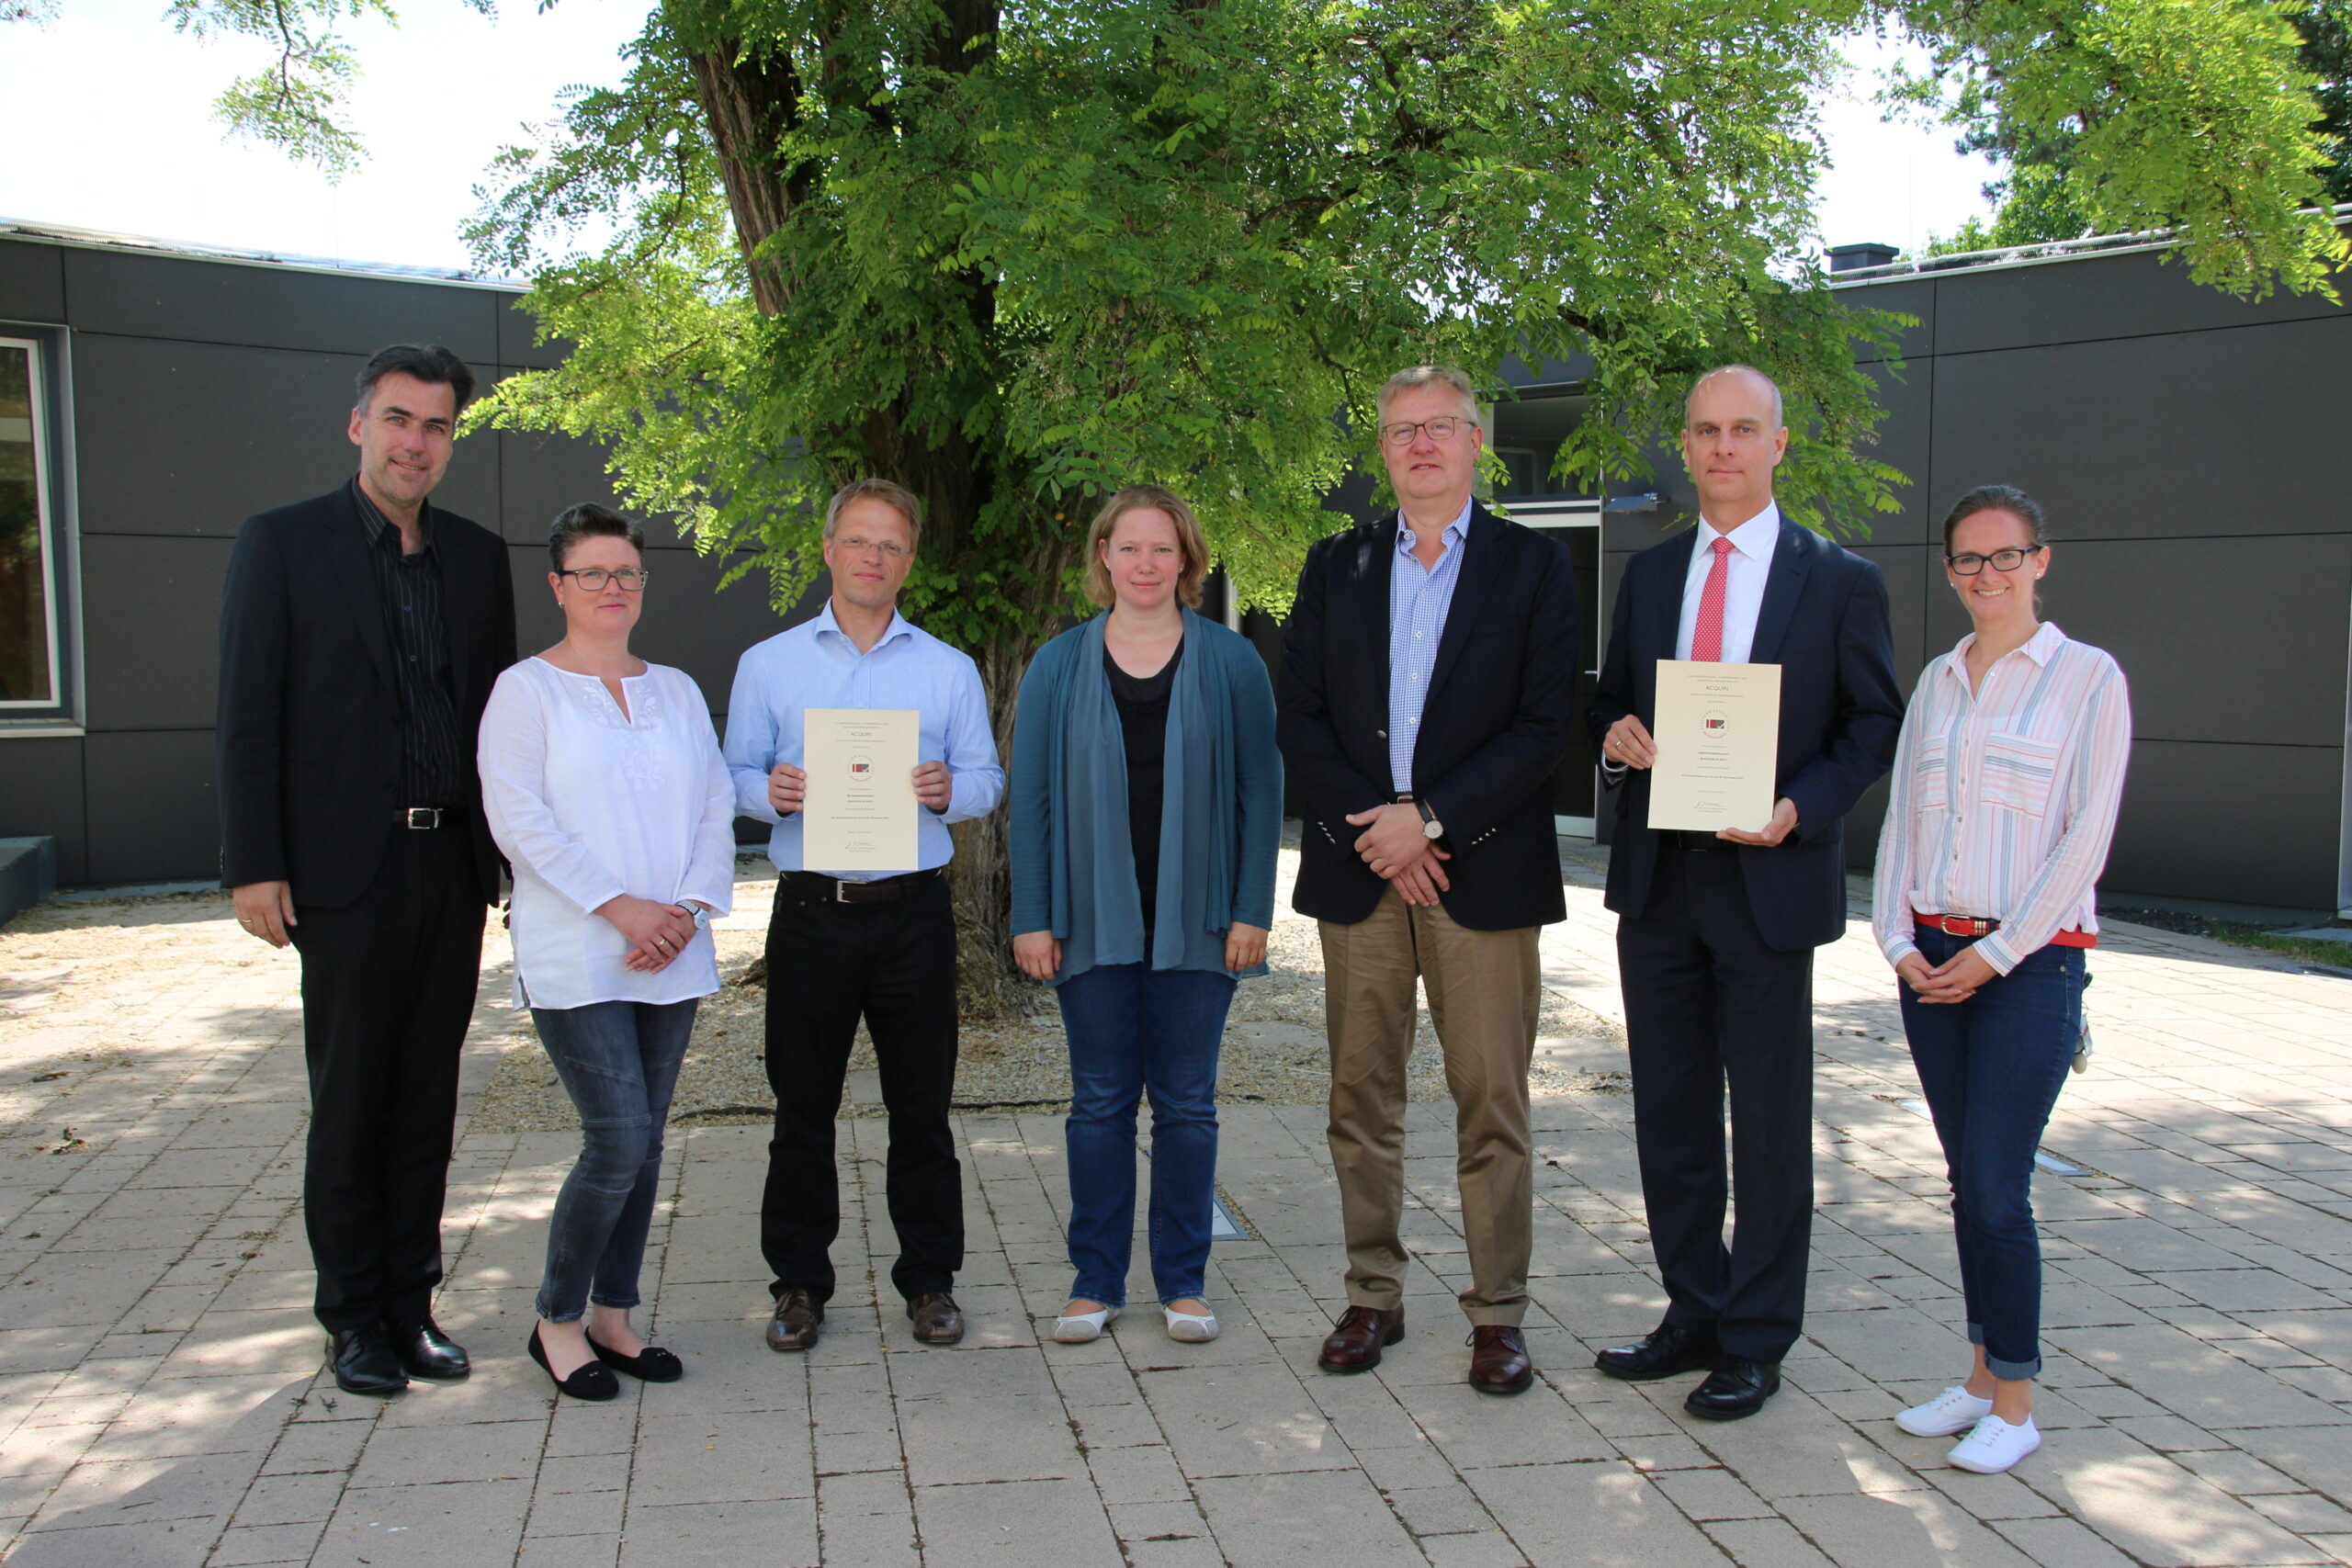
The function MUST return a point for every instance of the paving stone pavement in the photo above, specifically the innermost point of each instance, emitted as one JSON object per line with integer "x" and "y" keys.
{"x": 159, "y": 1401}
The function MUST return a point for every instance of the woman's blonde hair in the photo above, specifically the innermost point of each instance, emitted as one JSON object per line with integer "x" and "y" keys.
{"x": 1189, "y": 538}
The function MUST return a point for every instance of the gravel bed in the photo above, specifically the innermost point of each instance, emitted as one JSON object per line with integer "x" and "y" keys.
{"x": 1273, "y": 1052}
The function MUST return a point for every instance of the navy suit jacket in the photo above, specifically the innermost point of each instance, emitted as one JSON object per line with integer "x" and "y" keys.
{"x": 1824, "y": 623}
{"x": 1494, "y": 720}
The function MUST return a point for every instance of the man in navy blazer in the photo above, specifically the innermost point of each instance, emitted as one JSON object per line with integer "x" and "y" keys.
{"x": 1715, "y": 931}
{"x": 1427, "y": 686}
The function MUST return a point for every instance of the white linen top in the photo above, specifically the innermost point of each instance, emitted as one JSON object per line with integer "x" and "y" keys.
{"x": 589, "y": 804}
{"x": 2005, "y": 798}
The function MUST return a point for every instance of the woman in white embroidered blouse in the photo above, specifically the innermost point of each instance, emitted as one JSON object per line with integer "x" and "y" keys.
{"x": 603, "y": 781}
{"x": 2006, "y": 786}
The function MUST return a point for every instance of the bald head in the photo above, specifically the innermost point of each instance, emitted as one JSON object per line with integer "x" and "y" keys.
{"x": 1748, "y": 373}
{"x": 1733, "y": 437}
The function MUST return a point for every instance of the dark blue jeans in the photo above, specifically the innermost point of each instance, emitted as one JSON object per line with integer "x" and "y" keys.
{"x": 1992, "y": 1068}
{"x": 1131, "y": 1030}
{"x": 619, "y": 1063}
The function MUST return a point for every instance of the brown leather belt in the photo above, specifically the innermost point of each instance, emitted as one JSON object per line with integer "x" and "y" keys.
{"x": 1961, "y": 925}
{"x": 887, "y": 890}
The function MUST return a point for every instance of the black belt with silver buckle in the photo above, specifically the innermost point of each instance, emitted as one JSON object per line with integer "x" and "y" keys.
{"x": 1697, "y": 843}
{"x": 424, "y": 817}
{"x": 887, "y": 890}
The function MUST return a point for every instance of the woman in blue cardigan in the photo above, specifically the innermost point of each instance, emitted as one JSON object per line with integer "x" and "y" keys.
{"x": 1146, "y": 809}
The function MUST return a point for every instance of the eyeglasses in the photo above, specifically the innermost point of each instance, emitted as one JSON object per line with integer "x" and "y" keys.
{"x": 1400, "y": 433}
{"x": 2003, "y": 560}
{"x": 594, "y": 578}
{"x": 891, "y": 549}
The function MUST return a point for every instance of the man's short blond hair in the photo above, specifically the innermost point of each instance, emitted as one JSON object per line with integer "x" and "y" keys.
{"x": 893, "y": 494}
{"x": 1189, "y": 538}
{"x": 1779, "y": 408}
{"x": 1430, "y": 375}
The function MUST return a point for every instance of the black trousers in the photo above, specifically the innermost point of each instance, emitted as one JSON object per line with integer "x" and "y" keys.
{"x": 1707, "y": 1004}
{"x": 894, "y": 965}
{"x": 387, "y": 990}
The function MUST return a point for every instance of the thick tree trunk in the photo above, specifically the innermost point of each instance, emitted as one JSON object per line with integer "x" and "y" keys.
{"x": 989, "y": 985}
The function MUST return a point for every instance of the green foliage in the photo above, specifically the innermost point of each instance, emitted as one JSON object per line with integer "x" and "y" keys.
{"x": 2200, "y": 116}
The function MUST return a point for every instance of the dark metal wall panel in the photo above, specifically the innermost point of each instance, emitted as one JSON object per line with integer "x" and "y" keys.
{"x": 154, "y": 613}
{"x": 1904, "y": 567}
{"x": 271, "y": 307}
{"x": 2242, "y": 824}
{"x": 1906, "y": 441}
{"x": 541, "y": 474}
{"x": 517, "y": 329}
{"x": 2181, "y": 436}
{"x": 1909, "y": 297}
{"x": 2089, "y": 297}
{"x": 32, "y": 282}
{"x": 40, "y": 796}
{"x": 153, "y": 815}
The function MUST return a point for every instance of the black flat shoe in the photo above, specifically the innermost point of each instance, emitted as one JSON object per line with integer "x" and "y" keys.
{"x": 652, "y": 1364}
{"x": 1668, "y": 1348}
{"x": 1735, "y": 1388}
{"x": 594, "y": 1382}
{"x": 364, "y": 1362}
{"x": 425, "y": 1352}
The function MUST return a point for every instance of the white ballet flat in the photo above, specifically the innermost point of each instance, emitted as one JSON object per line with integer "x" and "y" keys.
{"x": 1080, "y": 1328}
{"x": 1993, "y": 1445}
{"x": 1954, "y": 1410}
{"x": 1191, "y": 1328}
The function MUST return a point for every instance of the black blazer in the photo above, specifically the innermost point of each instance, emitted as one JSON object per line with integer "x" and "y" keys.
{"x": 308, "y": 729}
{"x": 1501, "y": 697}
{"x": 1824, "y": 623}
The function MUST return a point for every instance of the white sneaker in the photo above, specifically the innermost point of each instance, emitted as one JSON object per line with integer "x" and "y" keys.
{"x": 1080, "y": 1328}
{"x": 1993, "y": 1445}
{"x": 1954, "y": 1410}
{"x": 1191, "y": 1328}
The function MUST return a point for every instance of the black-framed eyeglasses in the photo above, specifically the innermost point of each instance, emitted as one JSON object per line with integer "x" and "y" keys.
{"x": 594, "y": 578}
{"x": 2003, "y": 560}
{"x": 1400, "y": 431}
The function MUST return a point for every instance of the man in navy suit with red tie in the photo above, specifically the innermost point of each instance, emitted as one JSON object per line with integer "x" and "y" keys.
{"x": 1715, "y": 931}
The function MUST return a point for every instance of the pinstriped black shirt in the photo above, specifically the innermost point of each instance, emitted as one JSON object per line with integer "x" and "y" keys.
{"x": 433, "y": 765}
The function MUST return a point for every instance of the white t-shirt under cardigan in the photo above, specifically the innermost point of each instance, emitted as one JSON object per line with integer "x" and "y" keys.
{"x": 589, "y": 803}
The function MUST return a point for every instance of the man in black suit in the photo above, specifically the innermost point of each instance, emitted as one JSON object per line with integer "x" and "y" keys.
{"x": 1715, "y": 932}
{"x": 1426, "y": 686}
{"x": 360, "y": 633}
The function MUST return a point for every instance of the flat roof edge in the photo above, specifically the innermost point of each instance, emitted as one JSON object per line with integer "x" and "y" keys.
{"x": 2046, "y": 253}
{"x": 190, "y": 250}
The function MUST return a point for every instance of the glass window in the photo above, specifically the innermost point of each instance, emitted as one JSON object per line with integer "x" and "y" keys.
{"x": 28, "y": 639}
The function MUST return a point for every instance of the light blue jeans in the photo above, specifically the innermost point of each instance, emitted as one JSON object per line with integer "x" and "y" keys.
{"x": 619, "y": 1063}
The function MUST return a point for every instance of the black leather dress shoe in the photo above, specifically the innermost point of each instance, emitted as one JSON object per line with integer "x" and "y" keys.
{"x": 1670, "y": 1348}
{"x": 799, "y": 1319}
{"x": 938, "y": 1319}
{"x": 1736, "y": 1387}
{"x": 425, "y": 1352}
{"x": 364, "y": 1362}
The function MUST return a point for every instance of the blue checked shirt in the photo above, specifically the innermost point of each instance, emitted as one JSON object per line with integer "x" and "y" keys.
{"x": 1417, "y": 601}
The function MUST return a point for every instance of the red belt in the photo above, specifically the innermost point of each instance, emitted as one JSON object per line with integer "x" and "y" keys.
{"x": 1959, "y": 925}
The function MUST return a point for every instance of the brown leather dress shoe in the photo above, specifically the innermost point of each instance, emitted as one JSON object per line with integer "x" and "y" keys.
{"x": 1499, "y": 1360}
{"x": 938, "y": 1319}
{"x": 1354, "y": 1343}
{"x": 799, "y": 1318}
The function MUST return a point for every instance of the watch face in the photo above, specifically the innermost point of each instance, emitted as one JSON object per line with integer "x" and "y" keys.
{"x": 1430, "y": 829}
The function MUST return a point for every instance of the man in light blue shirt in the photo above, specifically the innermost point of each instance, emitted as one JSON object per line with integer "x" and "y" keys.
{"x": 846, "y": 945}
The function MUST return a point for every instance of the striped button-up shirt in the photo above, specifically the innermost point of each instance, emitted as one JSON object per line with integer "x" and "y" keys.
{"x": 1417, "y": 601}
{"x": 2003, "y": 799}
{"x": 433, "y": 757}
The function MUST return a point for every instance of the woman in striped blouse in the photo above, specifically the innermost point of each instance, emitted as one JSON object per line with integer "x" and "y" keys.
{"x": 2005, "y": 792}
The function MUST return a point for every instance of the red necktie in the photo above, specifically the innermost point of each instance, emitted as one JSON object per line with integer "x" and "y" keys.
{"x": 1707, "y": 636}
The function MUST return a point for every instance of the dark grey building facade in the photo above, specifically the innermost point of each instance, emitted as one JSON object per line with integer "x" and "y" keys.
{"x": 158, "y": 398}
{"x": 2189, "y": 449}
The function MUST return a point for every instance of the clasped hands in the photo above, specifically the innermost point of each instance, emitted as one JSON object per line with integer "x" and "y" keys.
{"x": 1953, "y": 980}
{"x": 788, "y": 787}
{"x": 1628, "y": 743}
{"x": 657, "y": 932}
{"x": 1398, "y": 848}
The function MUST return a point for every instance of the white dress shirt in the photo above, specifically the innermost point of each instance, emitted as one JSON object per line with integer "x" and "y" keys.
{"x": 1750, "y": 564}
{"x": 815, "y": 665}
{"x": 589, "y": 804}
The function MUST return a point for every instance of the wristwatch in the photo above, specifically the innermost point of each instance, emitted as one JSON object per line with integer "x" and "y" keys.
{"x": 701, "y": 915}
{"x": 1430, "y": 828}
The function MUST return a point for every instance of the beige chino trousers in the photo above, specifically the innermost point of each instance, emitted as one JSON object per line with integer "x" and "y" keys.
{"x": 1482, "y": 990}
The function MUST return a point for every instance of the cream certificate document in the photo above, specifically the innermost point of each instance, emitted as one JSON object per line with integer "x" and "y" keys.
{"x": 859, "y": 813}
{"x": 1718, "y": 734}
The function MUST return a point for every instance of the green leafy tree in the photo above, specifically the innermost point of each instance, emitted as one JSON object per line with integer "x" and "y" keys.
{"x": 2058, "y": 184}
{"x": 1015, "y": 257}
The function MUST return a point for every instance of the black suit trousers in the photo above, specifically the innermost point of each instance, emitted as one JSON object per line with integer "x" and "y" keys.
{"x": 387, "y": 990}
{"x": 894, "y": 965}
{"x": 1708, "y": 1004}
